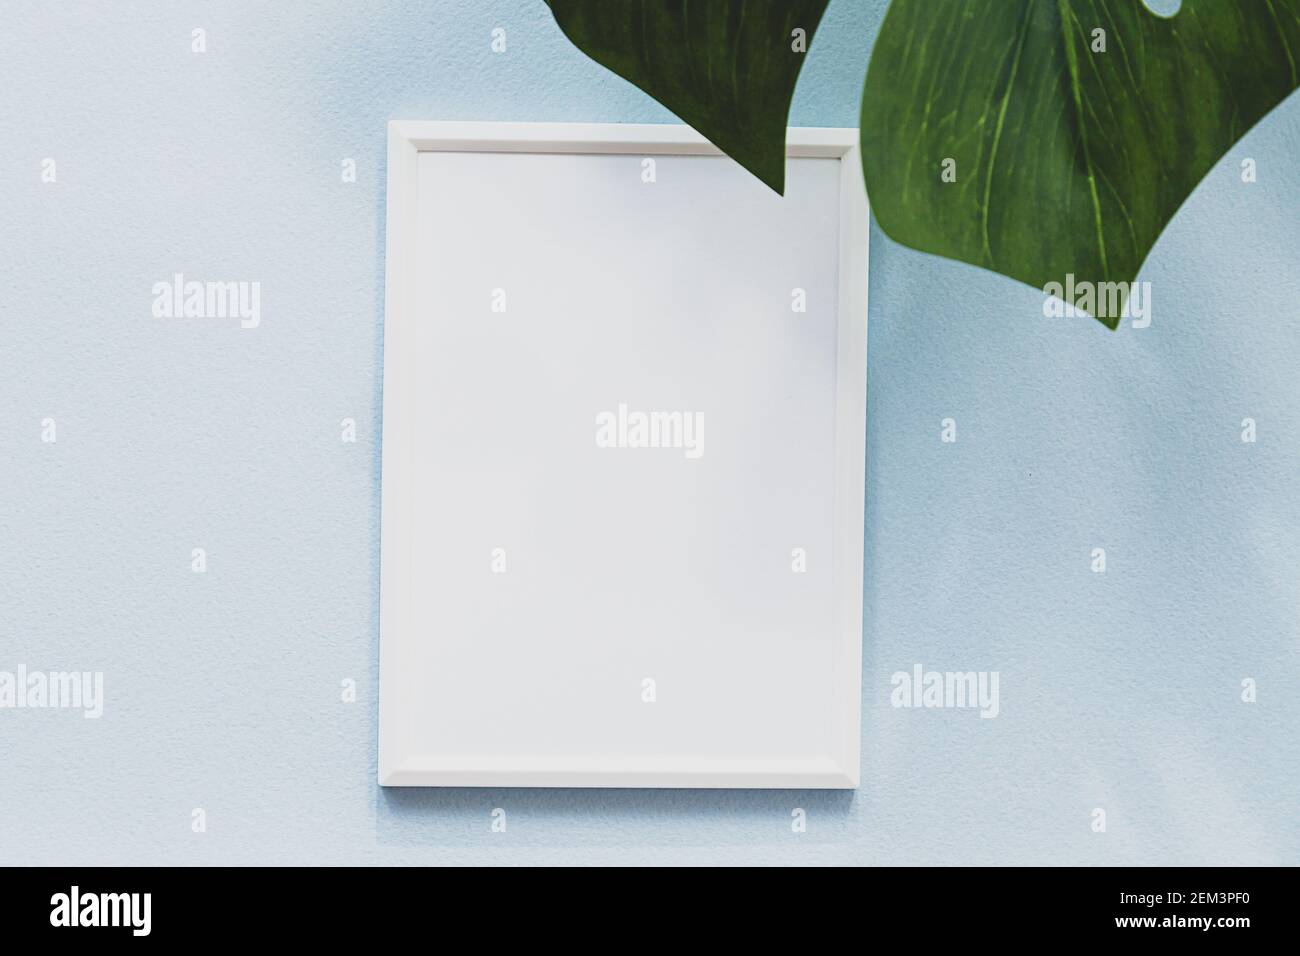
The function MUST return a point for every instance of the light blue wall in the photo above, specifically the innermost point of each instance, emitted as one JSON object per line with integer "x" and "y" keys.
{"x": 1118, "y": 691}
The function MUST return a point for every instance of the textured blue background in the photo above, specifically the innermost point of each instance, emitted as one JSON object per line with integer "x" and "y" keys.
{"x": 1118, "y": 691}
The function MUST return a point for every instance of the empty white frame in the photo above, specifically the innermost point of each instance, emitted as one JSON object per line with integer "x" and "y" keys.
{"x": 623, "y": 460}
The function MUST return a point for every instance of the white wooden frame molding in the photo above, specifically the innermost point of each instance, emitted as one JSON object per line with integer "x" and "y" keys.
{"x": 837, "y": 768}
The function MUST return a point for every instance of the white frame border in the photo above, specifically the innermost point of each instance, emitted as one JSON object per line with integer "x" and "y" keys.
{"x": 406, "y": 140}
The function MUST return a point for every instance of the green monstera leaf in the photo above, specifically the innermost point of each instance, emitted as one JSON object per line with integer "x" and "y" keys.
{"x": 1044, "y": 139}
{"x": 726, "y": 67}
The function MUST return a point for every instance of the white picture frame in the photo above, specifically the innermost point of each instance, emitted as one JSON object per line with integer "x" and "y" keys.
{"x": 440, "y": 725}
